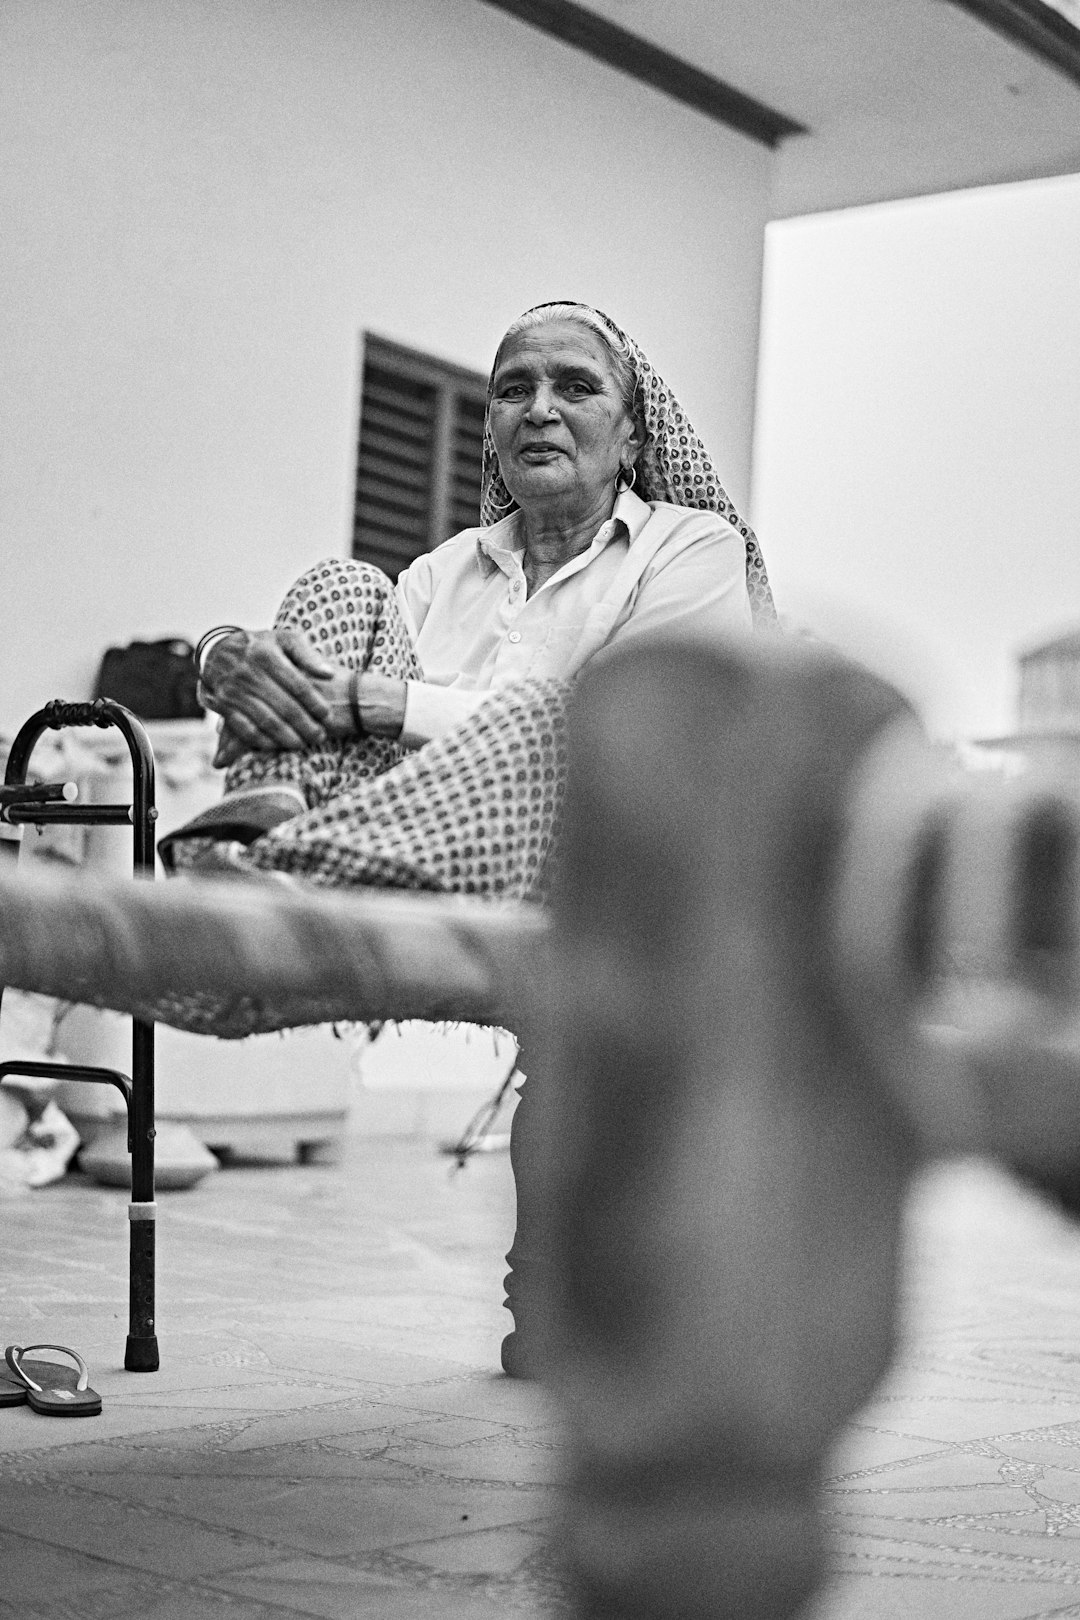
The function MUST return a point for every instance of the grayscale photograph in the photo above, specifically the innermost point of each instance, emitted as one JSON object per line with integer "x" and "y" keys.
{"x": 540, "y": 814}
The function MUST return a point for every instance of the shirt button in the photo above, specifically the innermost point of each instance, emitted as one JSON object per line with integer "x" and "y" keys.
{"x": 514, "y": 636}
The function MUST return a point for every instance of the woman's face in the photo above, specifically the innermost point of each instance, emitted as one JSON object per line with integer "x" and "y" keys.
{"x": 557, "y": 418}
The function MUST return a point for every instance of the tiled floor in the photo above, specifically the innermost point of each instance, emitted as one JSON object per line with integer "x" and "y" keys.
{"x": 957, "y": 1494}
{"x": 328, "y": 1435}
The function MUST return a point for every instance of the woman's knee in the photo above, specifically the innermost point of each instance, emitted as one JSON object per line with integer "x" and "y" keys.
{"x": 336, "y": 582}
{"x": 339, "y": 605}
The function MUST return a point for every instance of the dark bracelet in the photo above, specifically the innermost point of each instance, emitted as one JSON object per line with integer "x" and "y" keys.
{"x": 204, "y": 641}
{"x": 354, "y": 701}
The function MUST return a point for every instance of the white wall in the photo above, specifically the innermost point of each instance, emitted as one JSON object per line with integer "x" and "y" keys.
{"x": 203, "y": 205}
{"x": 917, "y": 461}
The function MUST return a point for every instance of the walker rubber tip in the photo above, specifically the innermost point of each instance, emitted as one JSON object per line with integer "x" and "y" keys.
{"x": 141, "y": 1355}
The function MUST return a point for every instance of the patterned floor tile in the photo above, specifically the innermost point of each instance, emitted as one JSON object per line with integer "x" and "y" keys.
{"x": 486, "y": 1552}
{"x": 914, "y": 1597}
{"x": 123, "y": 1533}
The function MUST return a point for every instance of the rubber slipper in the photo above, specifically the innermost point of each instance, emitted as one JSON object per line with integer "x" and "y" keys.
{"x": 51, "y": 1388}
{"x": 12, "y": 1391}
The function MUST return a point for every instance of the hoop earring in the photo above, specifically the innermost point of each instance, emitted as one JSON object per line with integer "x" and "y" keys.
{"x": 620, "y": 487}
{"x": 503, "y": 506}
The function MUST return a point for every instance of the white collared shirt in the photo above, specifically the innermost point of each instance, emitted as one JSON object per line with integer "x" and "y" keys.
{"x": 475, "y": 627}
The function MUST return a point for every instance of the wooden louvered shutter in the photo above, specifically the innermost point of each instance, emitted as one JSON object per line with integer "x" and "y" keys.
{"x": 468, "y": 449}
{"x": 418, "y": 467}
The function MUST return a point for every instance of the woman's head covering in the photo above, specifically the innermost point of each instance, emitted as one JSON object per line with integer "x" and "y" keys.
{"x": 673, "y": 466}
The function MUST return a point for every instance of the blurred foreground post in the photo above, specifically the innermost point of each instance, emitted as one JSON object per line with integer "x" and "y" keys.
{"x": 781, "y": 923}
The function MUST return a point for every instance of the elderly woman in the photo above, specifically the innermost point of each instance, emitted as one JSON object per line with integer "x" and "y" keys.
{"x": 412, "y": 737}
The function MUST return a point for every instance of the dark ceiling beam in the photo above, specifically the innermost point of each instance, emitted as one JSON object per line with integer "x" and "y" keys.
{"x": 640, "y": 59}
{"x": 1036, "y": 27}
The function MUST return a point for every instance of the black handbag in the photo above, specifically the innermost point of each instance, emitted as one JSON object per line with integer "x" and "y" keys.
{"x": 156, "y": 680}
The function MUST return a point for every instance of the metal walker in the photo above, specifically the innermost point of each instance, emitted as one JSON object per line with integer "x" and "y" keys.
{"x": 51, "y": 802}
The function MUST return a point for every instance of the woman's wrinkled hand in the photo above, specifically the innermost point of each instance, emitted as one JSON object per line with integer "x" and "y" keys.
{"x": 272, "y": 689}
{"x": 378, "y": 700}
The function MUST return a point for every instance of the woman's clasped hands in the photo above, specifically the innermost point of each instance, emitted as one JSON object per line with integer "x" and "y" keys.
{"x": 274, "y": 690}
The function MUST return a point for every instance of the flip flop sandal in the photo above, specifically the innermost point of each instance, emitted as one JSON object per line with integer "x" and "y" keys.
{"x": 51, "y": 1388}
{"x": 12, "y": 1393}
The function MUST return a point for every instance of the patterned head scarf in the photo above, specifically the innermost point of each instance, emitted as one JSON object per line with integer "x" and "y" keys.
{"x": 673, "y": 466}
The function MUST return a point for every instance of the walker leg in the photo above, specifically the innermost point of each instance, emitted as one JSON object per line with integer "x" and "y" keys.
{"x": 141, "y": 1354}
